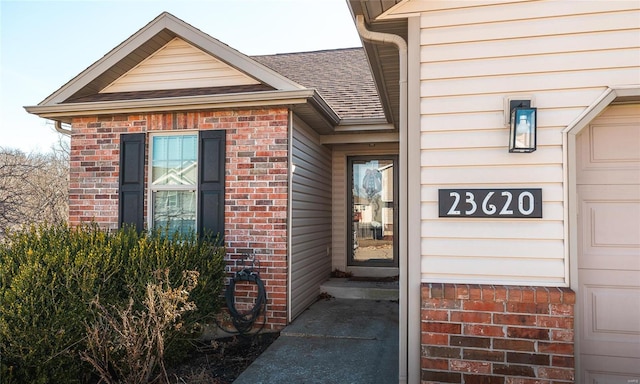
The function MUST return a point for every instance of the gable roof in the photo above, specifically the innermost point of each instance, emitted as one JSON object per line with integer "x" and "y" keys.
{"x": 323, "y": 87}
{"x": 148, "y": 40}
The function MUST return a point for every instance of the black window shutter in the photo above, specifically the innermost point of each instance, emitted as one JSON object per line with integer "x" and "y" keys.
{"x": 131, "y": 184}
{"x": 211, "y": 163}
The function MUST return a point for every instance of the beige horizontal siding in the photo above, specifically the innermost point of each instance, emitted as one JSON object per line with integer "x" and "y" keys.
{"x": 481, "y": 139}
{"x": 542, "y": 63}
{"x": 497, "y": 270}
{"x": 460, "y": 229}
{"x": 493, "y": 156}
{"x": 510, "y": 23}
{"x": 178, "y": 65}
{"x": 615, "y": 74}
{"x": 547, "y": 118}
{"x": 604, "y": 40}
{"x": 529, "y": 9}
{"x": 507, "y": 176}
{"x": 546, "y": 99}
{"x": 563, "y": 54}
{"x": 530, "y": 248}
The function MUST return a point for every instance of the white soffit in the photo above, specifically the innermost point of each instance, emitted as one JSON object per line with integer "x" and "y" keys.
{"x": 178, "y": 65}
{"x": 409, "y": 8}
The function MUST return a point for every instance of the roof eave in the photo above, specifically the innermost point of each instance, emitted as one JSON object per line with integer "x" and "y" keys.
{"x": 306, "y": 100}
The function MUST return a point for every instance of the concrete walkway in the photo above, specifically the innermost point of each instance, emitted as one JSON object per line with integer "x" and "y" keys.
{"x": 337, "y": 341}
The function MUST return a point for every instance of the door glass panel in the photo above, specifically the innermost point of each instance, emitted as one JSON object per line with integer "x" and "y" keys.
{"x": 372, "y": 200}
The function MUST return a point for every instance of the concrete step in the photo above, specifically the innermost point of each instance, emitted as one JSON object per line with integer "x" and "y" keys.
{"x": 371, "y": 290}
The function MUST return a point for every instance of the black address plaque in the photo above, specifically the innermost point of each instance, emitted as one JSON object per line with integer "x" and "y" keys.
{"x": 497, "y": 203}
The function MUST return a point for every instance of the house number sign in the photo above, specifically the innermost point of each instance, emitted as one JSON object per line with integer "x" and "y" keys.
{"x": 498, "y": 203}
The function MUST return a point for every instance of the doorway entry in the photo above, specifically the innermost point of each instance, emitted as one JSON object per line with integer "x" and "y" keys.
{"x": 372, "y": 202}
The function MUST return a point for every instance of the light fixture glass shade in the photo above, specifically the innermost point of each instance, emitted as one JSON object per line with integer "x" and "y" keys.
{"x": 522, "y": 137}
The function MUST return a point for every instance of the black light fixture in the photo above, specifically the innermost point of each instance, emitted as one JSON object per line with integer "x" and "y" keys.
{"x": 522, "y": 134}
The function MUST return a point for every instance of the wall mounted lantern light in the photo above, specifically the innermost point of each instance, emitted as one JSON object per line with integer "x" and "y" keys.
{"x": 522, "y": 134}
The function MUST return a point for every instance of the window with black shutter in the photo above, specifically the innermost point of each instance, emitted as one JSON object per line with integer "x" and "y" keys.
{"x": 186, "y": 181}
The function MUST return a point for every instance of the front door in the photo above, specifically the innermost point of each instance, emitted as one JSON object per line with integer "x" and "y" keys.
{"x": 372, "y": 201}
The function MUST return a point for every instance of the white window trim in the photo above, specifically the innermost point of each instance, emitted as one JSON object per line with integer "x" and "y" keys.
{"x": 154, "y": 188}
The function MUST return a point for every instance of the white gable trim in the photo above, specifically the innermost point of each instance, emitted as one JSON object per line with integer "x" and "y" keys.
{"x": 189, "y": 34}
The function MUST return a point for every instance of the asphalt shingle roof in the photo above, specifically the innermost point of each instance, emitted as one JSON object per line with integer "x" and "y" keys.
{"x": 341, "y": 76}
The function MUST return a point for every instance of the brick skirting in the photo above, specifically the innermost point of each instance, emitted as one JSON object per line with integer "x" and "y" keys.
{"x": 496, "y": 334}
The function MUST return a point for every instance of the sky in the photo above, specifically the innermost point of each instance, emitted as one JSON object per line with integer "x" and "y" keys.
{"x": 44, "y": 44}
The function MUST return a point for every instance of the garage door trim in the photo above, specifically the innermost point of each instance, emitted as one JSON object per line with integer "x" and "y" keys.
{"x": 612, "y": 95}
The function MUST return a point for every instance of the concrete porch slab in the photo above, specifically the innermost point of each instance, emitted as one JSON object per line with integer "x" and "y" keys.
{"x": 334, "y": 341}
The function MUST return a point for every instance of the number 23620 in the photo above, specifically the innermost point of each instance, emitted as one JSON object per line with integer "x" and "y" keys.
{"x": 504, "y": 203}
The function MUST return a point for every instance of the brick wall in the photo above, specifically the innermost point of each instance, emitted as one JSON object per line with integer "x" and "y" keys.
{"x": 496, "y": 334}
{"x": 256, "y": 184}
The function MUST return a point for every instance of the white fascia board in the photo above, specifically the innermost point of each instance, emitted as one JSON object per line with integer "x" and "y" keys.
{"x": 187, "y": 33}
{"x": 252, "y": 99}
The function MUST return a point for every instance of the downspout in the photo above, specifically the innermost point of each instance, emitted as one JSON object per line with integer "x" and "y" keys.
{"x": 59, "y": 129}
{"x": 401, "y": 44}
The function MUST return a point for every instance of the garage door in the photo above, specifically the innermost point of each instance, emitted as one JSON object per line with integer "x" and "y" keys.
{"x": 608, "y": 308}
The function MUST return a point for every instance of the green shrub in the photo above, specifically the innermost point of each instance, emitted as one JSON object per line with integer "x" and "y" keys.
{"x": 49, "y": 275}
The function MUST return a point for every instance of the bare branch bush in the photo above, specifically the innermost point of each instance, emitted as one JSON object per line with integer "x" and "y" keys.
{"x": 33, "y": 187}
{"x": 127, "y": 345}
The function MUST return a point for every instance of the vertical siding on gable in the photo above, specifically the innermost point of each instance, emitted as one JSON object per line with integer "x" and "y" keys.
{"x": 311, "y": 217}
{"x": 562, "y": 53}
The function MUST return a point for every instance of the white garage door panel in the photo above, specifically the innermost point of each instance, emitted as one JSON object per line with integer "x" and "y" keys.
{"x": 606, "y": 158}
{"x": 605, "y": 370}
{"x": 610, "y": 227}
{"x": 608, "y": 305}
{"x": 608, "y": 232}
{"x": 610, "y": 316}
{"x": 607, "y": 150}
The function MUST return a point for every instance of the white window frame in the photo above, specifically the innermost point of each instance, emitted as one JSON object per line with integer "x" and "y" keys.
{"x": 155, "y": 188}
